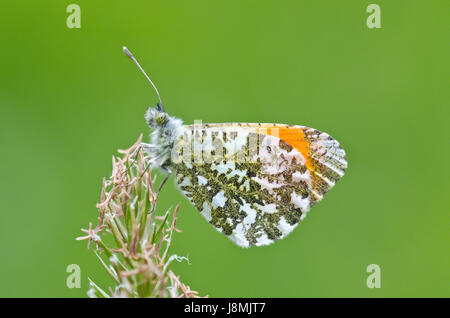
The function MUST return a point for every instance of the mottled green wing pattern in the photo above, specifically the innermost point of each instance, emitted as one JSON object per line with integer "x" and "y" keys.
{"x": 254, "y": 195}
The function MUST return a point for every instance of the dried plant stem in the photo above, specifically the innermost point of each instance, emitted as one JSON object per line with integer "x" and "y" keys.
{"x": 138, "y": 261}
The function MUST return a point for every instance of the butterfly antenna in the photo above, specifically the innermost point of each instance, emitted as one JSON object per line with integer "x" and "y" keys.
{"x": 128, "y": 53}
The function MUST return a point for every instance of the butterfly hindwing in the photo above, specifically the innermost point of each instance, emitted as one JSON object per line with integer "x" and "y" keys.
{"x": 255, "y": 182}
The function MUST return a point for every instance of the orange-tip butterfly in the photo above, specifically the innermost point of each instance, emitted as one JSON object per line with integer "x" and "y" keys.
{"x": 252, "y": 182}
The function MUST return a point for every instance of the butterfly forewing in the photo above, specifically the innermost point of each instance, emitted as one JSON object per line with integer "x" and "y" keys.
{"x": 255, "y": 182}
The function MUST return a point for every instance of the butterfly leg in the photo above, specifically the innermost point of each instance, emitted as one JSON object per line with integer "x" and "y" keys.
{"x": 163, "y": 182}
{"x": 149, "y": 148}
{"x": 159, "y": 190}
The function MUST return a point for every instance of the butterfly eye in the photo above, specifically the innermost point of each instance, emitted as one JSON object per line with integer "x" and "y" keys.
{"x": 161, "y": 118}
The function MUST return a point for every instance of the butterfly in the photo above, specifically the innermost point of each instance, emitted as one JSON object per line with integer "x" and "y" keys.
{"x": 253, "y": 182}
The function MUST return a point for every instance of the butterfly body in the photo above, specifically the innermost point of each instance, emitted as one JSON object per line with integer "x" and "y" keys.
{"x": 252, "y": 182}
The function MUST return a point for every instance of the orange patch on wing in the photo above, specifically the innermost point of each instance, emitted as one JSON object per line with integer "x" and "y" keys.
{"x": 295, "y": 138}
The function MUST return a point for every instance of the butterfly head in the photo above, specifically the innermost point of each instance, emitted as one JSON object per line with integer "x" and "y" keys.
{"x": 166, "y": 130}
{"x": 156, "y": 117}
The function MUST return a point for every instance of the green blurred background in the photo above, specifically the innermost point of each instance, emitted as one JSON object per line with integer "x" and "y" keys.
{"x": 70, "y": 98}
